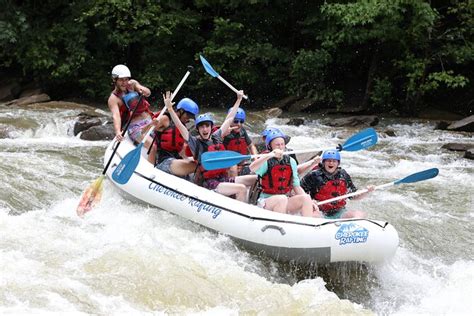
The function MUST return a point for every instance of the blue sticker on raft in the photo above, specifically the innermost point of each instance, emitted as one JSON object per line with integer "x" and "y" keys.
{"x": 351, "y": 234}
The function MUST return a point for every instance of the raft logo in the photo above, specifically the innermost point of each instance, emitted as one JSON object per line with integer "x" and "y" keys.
{"x": 351, "y": 233}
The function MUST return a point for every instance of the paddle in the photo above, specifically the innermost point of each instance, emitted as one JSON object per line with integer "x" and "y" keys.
{"x": 212, "y": 160}
{"x": 214, "y": 73}
{"x": 415, "y": 177}
{"x": 129, "y": 163}
{"x": 93, "y": 192}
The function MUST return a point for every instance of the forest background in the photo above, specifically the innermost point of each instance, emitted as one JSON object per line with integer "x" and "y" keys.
{"x": 397, "y": 56}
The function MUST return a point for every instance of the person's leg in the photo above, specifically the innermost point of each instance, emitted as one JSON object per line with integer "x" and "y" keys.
{"x": 300, "y": 202}
{"x": 152, "y": 155}
{"x": 232, "y": 172}
{"x": 227, "y": 188}
{"x": 182, "y": 167}
{"x": 248, "y": 180}
{"x": 277, "y": 203}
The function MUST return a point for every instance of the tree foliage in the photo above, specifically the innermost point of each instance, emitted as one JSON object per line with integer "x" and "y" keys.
{"x": 380, "y": 55}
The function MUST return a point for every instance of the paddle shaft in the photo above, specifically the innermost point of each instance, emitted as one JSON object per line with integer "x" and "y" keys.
{"x": 359, "y": 192}
{"x": 231, "y": 86}
{"x": 415, "y": 177}
{"x": 123, "y": 134}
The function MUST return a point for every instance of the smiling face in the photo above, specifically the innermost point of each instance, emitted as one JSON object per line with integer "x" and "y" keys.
{"x": 204, "y": 130}
{"x": 122, "y": 84}
{"x": 185, "y": 116}
{"x": 237, "y": 125}
{"x": 330, "y": 165}
{"x": 278, "y": 143}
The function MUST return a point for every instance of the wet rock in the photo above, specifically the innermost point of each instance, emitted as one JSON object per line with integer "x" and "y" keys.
{"x": 353, "y": 121}
{"x": 464, "y": 125}
{"x": 264, "y": 115}
{"x": 99, "y": 132}
{"x": 300, "y": 105}
{"x": 9, "y": 91}
{"x": 457, "y": 146}
{"x": 390, "y": 133}
{"x": 469, "y": 154}
{"x": 286, "y": 102}
{"x": 435, "y": 114}
{"x": 296, "y": 121}
{"x": 84, "y": 122}
{"x": 442, "y": 125}
{"x": 38, "y": 98}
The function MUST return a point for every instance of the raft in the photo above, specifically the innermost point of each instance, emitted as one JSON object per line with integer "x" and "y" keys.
{"x": 283, "y": 237}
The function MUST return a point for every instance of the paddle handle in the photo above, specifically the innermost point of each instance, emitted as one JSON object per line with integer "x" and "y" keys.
{"x": 231, "y": 86}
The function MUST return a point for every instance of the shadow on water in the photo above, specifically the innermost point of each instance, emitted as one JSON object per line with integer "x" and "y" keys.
{"x": 353, "y": 281}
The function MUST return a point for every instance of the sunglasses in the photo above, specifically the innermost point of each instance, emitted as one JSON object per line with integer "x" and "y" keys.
{"x": 239, "y": 121}
{"x": 189, "y": 114}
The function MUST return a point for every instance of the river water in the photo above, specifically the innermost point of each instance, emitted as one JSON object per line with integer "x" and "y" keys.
{"x": 130, "y": 258}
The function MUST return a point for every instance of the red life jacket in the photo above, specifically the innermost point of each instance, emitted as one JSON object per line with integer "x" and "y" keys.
{"x": 170, "y": 139}
{"x": 278, "y": 178}
{"x": 236, "y": 142}
{"x": 187, "y": 151}
{"x": 216, "y": 146}
{"x": 329, "y": 190}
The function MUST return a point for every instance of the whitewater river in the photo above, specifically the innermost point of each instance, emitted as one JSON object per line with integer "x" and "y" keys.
{"x": 129, "y": 258}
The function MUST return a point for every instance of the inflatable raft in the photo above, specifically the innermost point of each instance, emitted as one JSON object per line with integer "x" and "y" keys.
{"x": 282, "y": 237}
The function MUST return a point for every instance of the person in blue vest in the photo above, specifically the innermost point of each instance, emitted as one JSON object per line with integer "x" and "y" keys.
{"x": 239, "y": 141}
{"x": 129, "y": 89}
{"x": 331, "y": 181}
{"x": 167, "y": 153}
{"x": 206, "y": 140}
{"x": 278, "y": 178}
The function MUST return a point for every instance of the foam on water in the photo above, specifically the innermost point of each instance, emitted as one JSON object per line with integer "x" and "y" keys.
{"x": 128, "y": 258}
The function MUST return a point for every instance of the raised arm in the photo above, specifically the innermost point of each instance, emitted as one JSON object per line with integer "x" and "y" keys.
{"x": 230, "y": 117}
{"x": 169, "y": 106}
{"x": 140, "y": 88}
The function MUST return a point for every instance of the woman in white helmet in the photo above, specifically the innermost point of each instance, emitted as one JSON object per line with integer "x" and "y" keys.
{"x": 121, "y": 111}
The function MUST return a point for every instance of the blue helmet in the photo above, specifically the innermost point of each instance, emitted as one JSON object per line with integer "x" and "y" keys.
{"x": 331, "y": 154}
{"x": 206, "y": 117}
{"x": 272, "y": 135}
{"x": 188, "y": 105}
{"x": 239, "y": 115}
{"x": 269, "y": 130}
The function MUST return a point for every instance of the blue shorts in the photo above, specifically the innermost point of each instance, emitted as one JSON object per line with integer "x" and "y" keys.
{"x": 338, "y": 214}
{"x": 212, "y": 184}
{"x": 165, "y": 165}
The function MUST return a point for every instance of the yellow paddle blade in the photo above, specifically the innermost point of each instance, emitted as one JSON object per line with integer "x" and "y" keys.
{"x": 90, "y": 197}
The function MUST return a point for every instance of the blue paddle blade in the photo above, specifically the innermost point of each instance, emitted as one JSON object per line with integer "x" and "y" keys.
{"x": 127, "y": 166}
{"x": 419, "y": 176}
{"x": 212, "y": 160}
{"x": 208, "y": 67}
{"x": 362, "y": 140}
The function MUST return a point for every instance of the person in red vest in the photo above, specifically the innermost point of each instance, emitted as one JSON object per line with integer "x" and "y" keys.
{"x": 123, "y": 100}
{"x": 330, "y": 181}
{"x": 278, "y": 177}
{"x": 216, "y": 180}
{"x": 239, "y": 141}
{"x": 168, "y": 142}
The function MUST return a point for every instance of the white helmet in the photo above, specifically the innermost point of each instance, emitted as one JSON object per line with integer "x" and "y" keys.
{"x": 121, "y": 71}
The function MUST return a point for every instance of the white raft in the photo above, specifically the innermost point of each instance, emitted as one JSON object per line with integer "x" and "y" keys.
{"x": 283, "y": 237}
